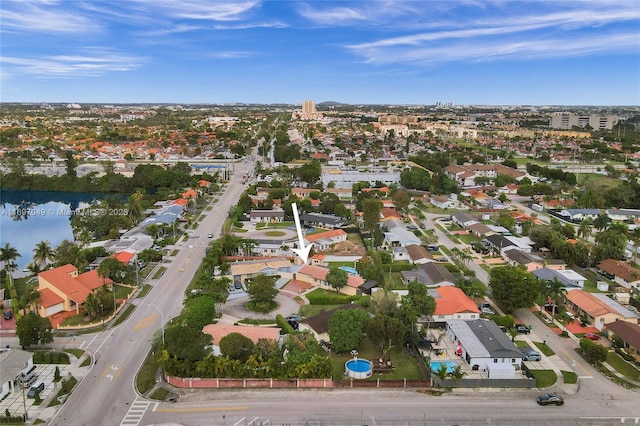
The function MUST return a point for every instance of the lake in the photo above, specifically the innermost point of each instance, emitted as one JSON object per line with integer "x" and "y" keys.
{"x": 28, "y": 217}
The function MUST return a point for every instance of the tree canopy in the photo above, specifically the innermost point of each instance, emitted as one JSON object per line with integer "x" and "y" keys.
{"x": 513, "y": 287}
{"x": 346, "y": 329}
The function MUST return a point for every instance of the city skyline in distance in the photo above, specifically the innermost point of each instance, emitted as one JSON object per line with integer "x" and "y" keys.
{"x": 267, "y": 52}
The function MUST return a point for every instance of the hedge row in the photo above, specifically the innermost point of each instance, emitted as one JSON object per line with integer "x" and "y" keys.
{"x": 285, "y": 327}
{"x": 320, "y": 298}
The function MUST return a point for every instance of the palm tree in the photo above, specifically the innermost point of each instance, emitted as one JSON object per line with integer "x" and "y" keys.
{"x": 557, "y": 292}
{"x": 43, "y": 253}
{"x": 601, "y": 222}
{"x": 8, "y": 255}
{"x": 584, "y": 230}
{"x": 134, "y": 207}
{"x": 635, "y": 237}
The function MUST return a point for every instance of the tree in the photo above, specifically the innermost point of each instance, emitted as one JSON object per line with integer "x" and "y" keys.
{"x": 337, "y": 278}
{"x": 584, "y": 230}
{"x": 401, "y": 199}
{"x": 385, "y": 331}
{"x": 346, "y": 329}
{"x": 513, "y": 287}
{"x": 419, "y": 299}
{"x": 56, "y": 374}
{"x": 261, "y": 290}
{"x": 236, "y": 346}
{"x": 110, "y": 268}
{"x": 43, "y": 253}
{"x": 71, "y": 164}
{"x": 557, "y": 293}
{"x": 601, "y": 222}
{"x": 32, "y": 329}
{"x": 186, "y": 343}
{"x": 200, "y": 311}
{"x": 8, "y": 255}
{"x": 593, "y": 352}
{"x": 371, "y": 214}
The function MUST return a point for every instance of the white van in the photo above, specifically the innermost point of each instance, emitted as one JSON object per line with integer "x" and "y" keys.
{"x": 27, "y": 380}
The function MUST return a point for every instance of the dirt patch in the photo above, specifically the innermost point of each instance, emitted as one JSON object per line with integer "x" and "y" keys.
{"x": 348, "y": 248}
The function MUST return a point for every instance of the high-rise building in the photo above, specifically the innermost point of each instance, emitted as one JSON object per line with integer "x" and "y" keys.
{"x": 308, "y": 107}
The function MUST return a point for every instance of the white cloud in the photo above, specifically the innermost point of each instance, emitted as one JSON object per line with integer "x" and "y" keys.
{"x": 94, "y": 64}
{"x": 43, "y": 16}
{"x": 374, "y": 12}
{"x": 231, "y": 55}
{"x": 202, "y": 9}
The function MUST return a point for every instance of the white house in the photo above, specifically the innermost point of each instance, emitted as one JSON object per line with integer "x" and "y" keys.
{"x": 482, "y": 343}
{"x": 14, "y": 363}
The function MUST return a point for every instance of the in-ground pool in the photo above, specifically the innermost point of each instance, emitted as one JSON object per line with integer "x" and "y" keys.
{"x": 358, "y": 368}
{"x": 350, "y": 270}
{"x": 449, "y": 365}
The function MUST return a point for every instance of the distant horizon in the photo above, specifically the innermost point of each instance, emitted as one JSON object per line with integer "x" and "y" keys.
{"x": 376, "y": 52}
{"x": 317, "y": 103}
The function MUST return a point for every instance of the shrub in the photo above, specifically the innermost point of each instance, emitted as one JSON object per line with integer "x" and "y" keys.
{"x": 285, "y": 327}
{"x": 593, "y": 352}
{"x": 505, "y": 321}
{"x": 319, "y": 297}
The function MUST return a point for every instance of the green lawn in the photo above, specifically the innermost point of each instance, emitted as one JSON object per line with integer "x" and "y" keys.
{"x": 468, "y": 238}
{"x": 144, "y": 272}
{"x": 145, "y": 290}
{"x": 311, "y": 310}
{"x": 544, "y": 349}
{"x": 160, "y": 394}
{"x": 124, "y": 315}
{"x": 146, "y": 377}
{"x": 75, "y": 351}
{"x": 122, "y": 291}
{"x": 158, "y": 274}
{"x": 569, "y": 377}
{"x": 405, "y": 366}
{"x": 544, "y": 378}
{"x": 86, "y": 362}
{"x": 623, "y": 367}
{"x": 396, "y": 281}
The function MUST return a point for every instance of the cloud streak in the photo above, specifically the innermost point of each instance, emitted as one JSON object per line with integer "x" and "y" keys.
{"x": 93, "y": 64}
{"x": 43, "y": 17}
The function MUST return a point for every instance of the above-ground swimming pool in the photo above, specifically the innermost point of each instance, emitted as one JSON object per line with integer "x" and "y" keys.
{"x": 358, "y": 368}
{"x": 437, "y": 365}
{"x": 350, "y": 270}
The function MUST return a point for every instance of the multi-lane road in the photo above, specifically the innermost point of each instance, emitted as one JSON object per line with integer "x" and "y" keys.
{"x": 107, "y": 396}
{"x": 107, "y": 393}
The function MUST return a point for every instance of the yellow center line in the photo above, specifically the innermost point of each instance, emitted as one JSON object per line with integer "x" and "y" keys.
{"x": 200, "y": 409}
{"x": 573, "y": 357}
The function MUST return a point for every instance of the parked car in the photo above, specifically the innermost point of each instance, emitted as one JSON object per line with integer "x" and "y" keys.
{"x": 8, "y": 315}
{"x": 487, "y": 311}
{"x": 531, "y": 355}
{"x": 294, "y": 317}
{"x": 210, "y": 235}
{"x": 238, "y": 285}
{"x": 36, "y": 388}
{"x": 523, "y": 329}
{"x": 550, "y": 398}
{"x": 592, "y": 336}
{"x": 484, "y": 305}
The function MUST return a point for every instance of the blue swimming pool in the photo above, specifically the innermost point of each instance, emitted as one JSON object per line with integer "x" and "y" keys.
{"x": 358, "y": 368}
{"x": 449, "y": 365}
{"x": 350, "y": 270}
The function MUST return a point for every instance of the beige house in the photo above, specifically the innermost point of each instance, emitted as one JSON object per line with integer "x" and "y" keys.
{"x": 598, "y": 308}
{"x": 316, "y": 276}
{"x": 63, "y": 289}
{"x": 241, "y": 271}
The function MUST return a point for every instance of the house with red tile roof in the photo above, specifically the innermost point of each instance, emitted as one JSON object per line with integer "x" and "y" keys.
{"x": 324, "y": 240}
{"x": 598, "y": 308}
{"x": 316, "y": 276}
{"x": 452, "y": 303}
{"x": 125, "y": 257}
{"x": 218, "y": 331}
{"x": 63, "y": 289}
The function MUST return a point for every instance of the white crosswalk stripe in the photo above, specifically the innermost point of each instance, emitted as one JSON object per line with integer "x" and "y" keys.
{"x": 135, "y": 413}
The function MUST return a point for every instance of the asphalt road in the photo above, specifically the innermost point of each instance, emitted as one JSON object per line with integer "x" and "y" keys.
{"x": 107, "y": 392}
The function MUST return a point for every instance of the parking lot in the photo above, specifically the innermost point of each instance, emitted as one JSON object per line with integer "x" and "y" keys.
{"x": 17, "y": 399}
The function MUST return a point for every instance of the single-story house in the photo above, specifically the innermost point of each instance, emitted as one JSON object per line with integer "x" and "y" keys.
{"x": 623, "y": 273}
{"x": 464, "y": 220}
{"x": 430, "y": 274}
{"x": 442, "y": 202}
{"x": 627, "y": 332}
{"x": 516, "y": 257}
{"x": 598, "y": 308}
{"x": 324, "y": 240}
{"x": 277, "y": 248}
{"x": 418, "y": 254}
{"x": 452, "y": 303}
{"x": 14, "y": 363}
{"x": 480, "y": 230}
{"x": 316, "y": 276}
{"x": 399, "y": 253}
{"x": 398, "y": 235}
{"x": 482, "y": 343}
{"x": 241, "y": 271}
{"x": 568, "y": 277}
{"x": 218, "y": 331}
{"x": 266, "y": 216}
{"x": 63, "y": 289}
{"x": 321, "y": 220}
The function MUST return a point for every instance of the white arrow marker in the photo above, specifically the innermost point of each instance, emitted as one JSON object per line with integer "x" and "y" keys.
{"x": 301, "y": 251}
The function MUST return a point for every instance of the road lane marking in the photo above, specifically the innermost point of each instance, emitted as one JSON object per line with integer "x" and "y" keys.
{"x": 136, "y": 413}
{"x": 145, "y": 322}
{"x": 200, "y": 409}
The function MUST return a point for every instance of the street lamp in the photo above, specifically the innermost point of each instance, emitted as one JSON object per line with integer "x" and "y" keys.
{"x": 161, "y": 319}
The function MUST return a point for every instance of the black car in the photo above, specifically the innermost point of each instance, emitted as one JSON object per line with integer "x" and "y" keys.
{"x": 550, "y": 399}
{"x": 8, "y": 315}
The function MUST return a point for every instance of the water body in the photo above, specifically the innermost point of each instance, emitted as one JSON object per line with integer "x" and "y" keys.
{"x": 28, "y": 217}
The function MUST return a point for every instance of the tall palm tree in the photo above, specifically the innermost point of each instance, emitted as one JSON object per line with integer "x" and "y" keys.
{"x": 601, "y": 222}
{"x": 43, "y": 253}
{"x": 584, "y": 230}
{"x": 557, "y": 292}
{"x": 8, "y": 256}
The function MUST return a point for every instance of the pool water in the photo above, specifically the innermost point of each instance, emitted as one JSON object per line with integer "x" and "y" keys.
{"x": 449, "y": 365}
{"x": 350, "y": 270}
{"x": 359, "y": 365}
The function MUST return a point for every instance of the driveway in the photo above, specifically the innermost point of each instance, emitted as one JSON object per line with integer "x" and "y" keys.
{"x": 236, "y": 308}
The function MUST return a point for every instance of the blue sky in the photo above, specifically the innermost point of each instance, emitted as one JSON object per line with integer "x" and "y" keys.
{"x": 383, "y": 52}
